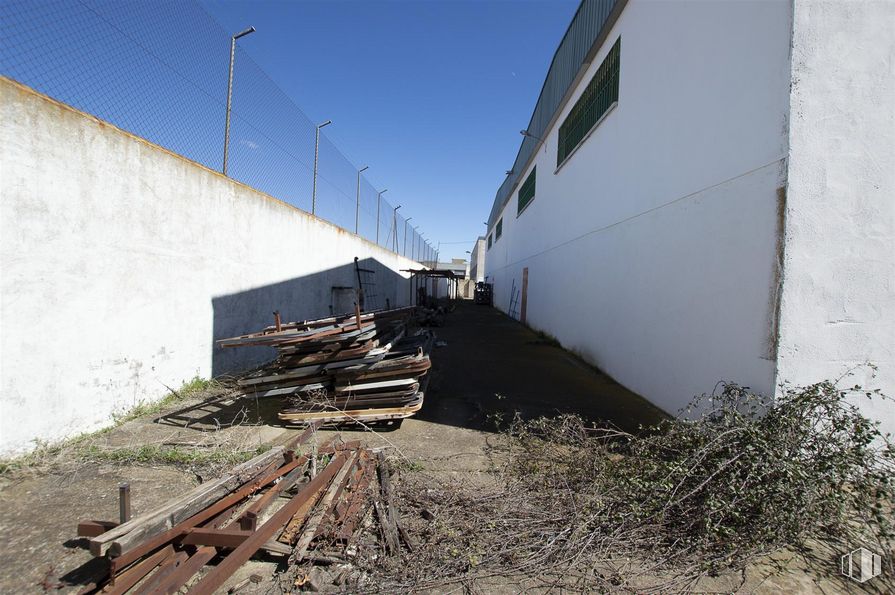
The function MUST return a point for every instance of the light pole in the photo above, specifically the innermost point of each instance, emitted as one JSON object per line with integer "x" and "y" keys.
{"x": 414, "y": 241}
{"x": 316, "y": 153}
{"x": 395, "y": 228}
{"x": 357, "y": 202}
{"x": 378, "y": 203}
{"x": 529, "y": 135}
{"x": 230, "y": 92}
{"x": 404, "y": 252}
{"x": 419, "y": 248}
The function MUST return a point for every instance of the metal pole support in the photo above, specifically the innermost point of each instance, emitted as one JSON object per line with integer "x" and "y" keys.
{"x": 124, "y": 502}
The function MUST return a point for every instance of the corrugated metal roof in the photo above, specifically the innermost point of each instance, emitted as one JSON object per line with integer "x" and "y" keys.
{"x": 590, "y": 21}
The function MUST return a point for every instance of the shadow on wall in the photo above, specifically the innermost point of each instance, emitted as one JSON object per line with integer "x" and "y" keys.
{"x": 317, "y": 295}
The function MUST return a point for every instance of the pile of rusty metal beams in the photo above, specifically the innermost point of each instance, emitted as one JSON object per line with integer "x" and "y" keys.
{"x": 278, "y": 505}
{"x": 354, "y": 369}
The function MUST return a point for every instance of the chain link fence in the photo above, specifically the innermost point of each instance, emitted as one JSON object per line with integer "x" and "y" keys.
{"x": 159, "y": 70}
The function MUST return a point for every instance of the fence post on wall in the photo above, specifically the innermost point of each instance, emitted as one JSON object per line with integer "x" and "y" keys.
{"x": 233, "y": 39}
{"x": 357, "y": 199}
{"x": 316, "y": 151}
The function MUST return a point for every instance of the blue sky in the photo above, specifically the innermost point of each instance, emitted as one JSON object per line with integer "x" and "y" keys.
{"x": 430, "y": 93}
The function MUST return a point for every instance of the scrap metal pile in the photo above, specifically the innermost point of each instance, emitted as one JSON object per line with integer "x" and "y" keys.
{"x": 358, "y": 368}
{"x": 276, "y": 505}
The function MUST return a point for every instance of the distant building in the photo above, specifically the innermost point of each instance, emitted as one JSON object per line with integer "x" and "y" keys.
{"x": 477, "y": 261}
{"x": 459, "y": 266}
{"x": 706, "y": 191}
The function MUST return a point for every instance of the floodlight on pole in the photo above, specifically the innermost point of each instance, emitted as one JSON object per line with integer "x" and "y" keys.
{"x": 529, "y": 134}
{"x": 357, "y": 200}
{"x": 316, "y": 153}
{"x": 378, "y": 202}
{"x": 233, "y": 39}
{"x": 395, "y": 228}
{"x": 414, "y": 242}
{"x": 406, "y": 221}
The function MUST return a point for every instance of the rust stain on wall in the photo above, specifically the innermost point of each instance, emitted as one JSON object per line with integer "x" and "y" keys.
{"x": 777, "y": 281}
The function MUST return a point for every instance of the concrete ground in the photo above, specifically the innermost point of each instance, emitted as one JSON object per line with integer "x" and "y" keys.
{"x": 490, "y": 364}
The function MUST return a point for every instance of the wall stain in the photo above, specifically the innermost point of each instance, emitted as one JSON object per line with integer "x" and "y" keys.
{"x": 777, "y": 283}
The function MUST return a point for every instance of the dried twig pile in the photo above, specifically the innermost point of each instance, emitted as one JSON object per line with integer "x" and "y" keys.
{"x": 661, "y": 510}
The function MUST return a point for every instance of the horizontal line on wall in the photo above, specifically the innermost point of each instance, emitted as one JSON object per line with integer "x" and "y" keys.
{"x": 646, "y": 212}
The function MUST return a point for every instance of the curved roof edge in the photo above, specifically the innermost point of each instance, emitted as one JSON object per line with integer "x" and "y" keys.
{"x": 585, "y": 35}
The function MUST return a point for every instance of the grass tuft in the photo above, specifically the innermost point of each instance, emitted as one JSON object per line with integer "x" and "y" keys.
{"x": 84, "y": 448}
{"x": 190, "y": 389}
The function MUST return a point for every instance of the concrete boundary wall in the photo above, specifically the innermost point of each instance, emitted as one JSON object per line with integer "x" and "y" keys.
{"x": 123, "y": 262}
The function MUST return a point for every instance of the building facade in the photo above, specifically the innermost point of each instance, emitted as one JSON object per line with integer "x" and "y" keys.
{"x": 705, "y": 193}
{"x": 477, "y": 261}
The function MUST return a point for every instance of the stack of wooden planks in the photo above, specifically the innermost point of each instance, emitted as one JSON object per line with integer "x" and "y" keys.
{"x": 276, "y": 504}
{"x": 359, "y": 368}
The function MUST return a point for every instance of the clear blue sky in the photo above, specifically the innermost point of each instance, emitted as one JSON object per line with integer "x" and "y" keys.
{"x": 430, "y": 93}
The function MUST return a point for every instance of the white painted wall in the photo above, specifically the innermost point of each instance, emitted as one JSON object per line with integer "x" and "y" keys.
{"x": 121, "y": 262}
{"x": 838, "y": 299}
{"x": 653, "y": 251}
{"x": 477, "y": 261}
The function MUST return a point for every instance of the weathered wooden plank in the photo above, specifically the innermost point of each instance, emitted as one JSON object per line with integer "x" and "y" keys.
{"x": 220, "y": 573}
{"x": 157, "y": 521}
{"x": 388, "y": 516}
{"x": 380, "y": 414}
{"x": 132, "y": 555}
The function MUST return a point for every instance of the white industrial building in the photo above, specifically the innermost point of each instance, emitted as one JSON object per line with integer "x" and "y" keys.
{"x": 477, "y": 261}
{"x": 705, "y": 192}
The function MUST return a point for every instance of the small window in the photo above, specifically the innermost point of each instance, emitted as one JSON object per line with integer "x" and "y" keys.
{"x": 601, "y": 93}
{"x": 489, "y": 241}
{"x": 498, "y": 230}
{"x": 527, "y": 191}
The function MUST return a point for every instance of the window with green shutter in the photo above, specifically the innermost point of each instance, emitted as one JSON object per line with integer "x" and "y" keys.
{"x": 601, "y": 93}
{"x": 498, "y": 230}
{"x": 489, "y": 241}
{"x": 527, "y": 191}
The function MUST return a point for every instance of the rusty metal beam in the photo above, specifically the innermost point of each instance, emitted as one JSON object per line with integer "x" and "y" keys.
{"x": 94, "y": 528}
{"x": 164, "y": 570}
{"x": 177, "y": 579}
{"x": 229, "y": 538}
{"x": 124, "y": 581}
{"x": 131, "y": 556}
{"x": 124, "y": 502}
{"x": 220, "y": 573}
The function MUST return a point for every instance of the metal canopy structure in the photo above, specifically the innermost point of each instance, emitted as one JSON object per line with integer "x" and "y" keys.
{"x": 416, "y": 274}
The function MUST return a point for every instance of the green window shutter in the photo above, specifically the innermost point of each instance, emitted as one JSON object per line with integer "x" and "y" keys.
{"x": 527, "y": 190}
{"x": 498, "y": 231}
{"x": 597, "y": 98}
{"x": 489, "y": 241}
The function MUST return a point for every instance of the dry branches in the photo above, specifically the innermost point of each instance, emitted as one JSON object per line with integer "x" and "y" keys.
{"x": 663, "y": 509}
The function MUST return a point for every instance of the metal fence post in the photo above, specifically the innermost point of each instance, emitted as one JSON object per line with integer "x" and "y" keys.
{"x": 316, "y": 153}
{"x": 233, "y": 39}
